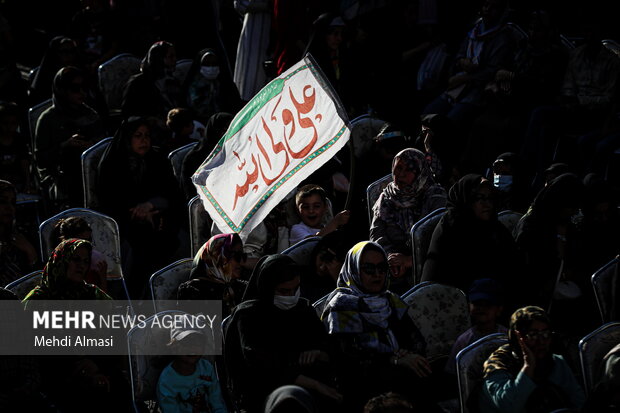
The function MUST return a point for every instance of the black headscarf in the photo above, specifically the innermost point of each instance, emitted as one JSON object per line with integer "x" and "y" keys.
{"x": 50, "y": 64}
{"x": 270, "y": 271}
{"x": 153, "y": 63}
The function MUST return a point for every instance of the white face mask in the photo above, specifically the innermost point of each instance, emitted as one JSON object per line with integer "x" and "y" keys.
{"x": 502, "y": 182}
{"x": 286, "y": 302}
{"x": 210, "y": 72}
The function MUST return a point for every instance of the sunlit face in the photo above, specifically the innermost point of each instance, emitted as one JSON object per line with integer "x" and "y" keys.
{"x": 7, "y": 208}
{"x": 483, "y": 204}
{"x": 141, "y": 140}
{"x": 373, "y": 271}
{"x": 78, "y": 265}
{"x": 287, "y": 288}
{"x": 402, "y": 174}
{"x": 311, "y": 210}
{"x": 538, "y": 339}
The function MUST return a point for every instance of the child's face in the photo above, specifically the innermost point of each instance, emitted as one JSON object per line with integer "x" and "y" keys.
{"x": 311, "y": 210}
{"x": 482, "y": 312}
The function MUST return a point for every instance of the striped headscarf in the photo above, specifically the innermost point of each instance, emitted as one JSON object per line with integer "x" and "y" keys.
{"x": 349, "y": 309}
{"x": 54, "y": 282}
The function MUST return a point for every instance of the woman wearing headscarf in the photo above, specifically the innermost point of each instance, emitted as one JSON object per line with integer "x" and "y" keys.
{"x": 469, "y": 242}
{"x": 216, "y": 271}
{"x": 63, "y": 275}
{"x": 208, "y": 88}
{"x": 378, "y": 347}
{"x": 214, "y": 130}
{"x": 61, "y": 51}
{"x": 63, "y": 132}
{"x": 412, "y": 194}
{"x": 524, "y": 375}
{"x": 275, "y": 338}
{"x": 136, "y": 187}
{"x": 154, "y": 91}
{"x": 78, "y": 382}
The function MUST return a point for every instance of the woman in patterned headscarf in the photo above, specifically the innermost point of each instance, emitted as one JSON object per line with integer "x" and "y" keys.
{"x": 216, "y": 272}
{"x": 523, "y": 375}
{"x": 411, "y": 195}
{"x": 63, "y": 275}
{"x": 380, "y": 349}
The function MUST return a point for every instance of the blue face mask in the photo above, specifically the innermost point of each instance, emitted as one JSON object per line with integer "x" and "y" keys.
{"x": 502, "y": 182}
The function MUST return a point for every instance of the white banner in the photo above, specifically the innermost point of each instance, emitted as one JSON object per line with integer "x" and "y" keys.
{"x": 292, "y": 127}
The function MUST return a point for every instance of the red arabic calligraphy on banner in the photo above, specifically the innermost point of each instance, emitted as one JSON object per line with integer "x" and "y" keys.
{"x": 288, "y": 134}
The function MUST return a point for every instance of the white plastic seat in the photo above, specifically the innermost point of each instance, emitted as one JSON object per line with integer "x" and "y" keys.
{"x": 113, "y": 76}
{"x": 105, "y": 238}
{"x": 90, "y": 163}
{"x": 592, "y": 349}
{"x": 176, "y": 159}
{"x": 319, "y": 305}
{"x": 165, "y": 282}
{"x": 301, "y": 251}
{"x": 22, "y": 286}
{"x": 182, "y": 69}
{"x": 441, "y": 313}
{"x": 603, "y": 281}
{"x": 421, "y": 235}
{"x": 509, "y": 219}
{"x": 34, "y": 113}
{"x": 199, "y": 224}
{"x": 469, "y": 364}
{"x": 374, "y": 191}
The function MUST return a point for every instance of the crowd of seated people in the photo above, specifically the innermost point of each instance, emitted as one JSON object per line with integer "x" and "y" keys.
{"x": 519, "y": 121}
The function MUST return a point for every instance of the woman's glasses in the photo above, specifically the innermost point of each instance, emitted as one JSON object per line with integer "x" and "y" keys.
{"x": 539, "y": 334}
{"x": 372, "y": 269}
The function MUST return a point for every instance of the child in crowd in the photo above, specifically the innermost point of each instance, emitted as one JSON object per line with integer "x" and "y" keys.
{"x": 311, "y": 204}
{"x": 77, "y": 227}
{"x": 189, "y": 383}
{"x": 486, "y": 303}
{"x": 180, "y": 122}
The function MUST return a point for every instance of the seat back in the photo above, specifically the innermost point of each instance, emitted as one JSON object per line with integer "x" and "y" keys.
{"x": 612, "y": 46}
{"x": 469, "y": 364}
{"x": 22, "y": 286}
{"x": 364, "y": 129}
{"x": 113, "y": 76}
{"x": 90, "y": 163}
{"x": 182, "y": 69}
{"x": 421, "y": 235}
{"x": 414, "y": 289}
{"x": 441, "y": 313}
{"x": 34, "y": 113}
{"x": 319, "y": 305}
{"x": 301, "y": 251}
{"x": 604, "y": 281}
{"x": 105, "y": 237}
{"x": 199, "y": 224}
{"x": 144, "y": 369}
{"x": 165, "y": 282}
{"x": 592, "y": 349}
{"x": 509, "y": 219}
{"x": 373, "y": 191}
{"x": 176, "y": 159}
